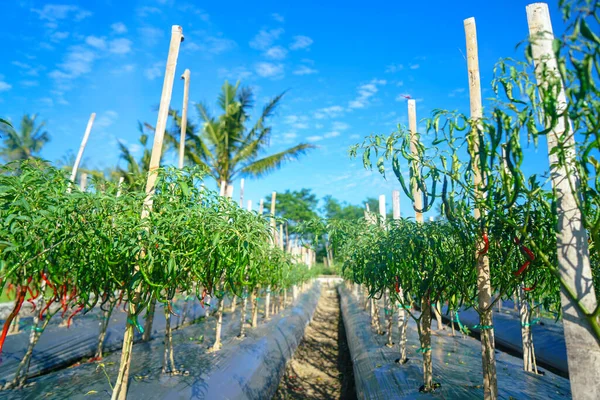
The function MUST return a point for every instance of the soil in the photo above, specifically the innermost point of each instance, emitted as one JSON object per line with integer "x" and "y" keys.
{"x": 321, "y": 367}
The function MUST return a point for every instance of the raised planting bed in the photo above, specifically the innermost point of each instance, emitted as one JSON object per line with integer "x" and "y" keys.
{"x": 246, "y": 369}
{"x": 60, "y": 346}
{"x": 456, "y": 364}
{"x": 548, "y": 337}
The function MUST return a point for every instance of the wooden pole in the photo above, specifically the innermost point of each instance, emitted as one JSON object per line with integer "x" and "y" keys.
{"x": 425, "y": 337}
{"x": 273, "y": 243}
{"x": 396, "y": 204}
{"x": 242, "y": 192}
{"x": 223, "y": 189}
{"x": 414, "y": 140}
{"x": 249, "y": 205}
{"x": 261, "y": 207}
{"x": 86, "y": 135}
{"x": 184, "y": 108}
{"x": 484, "y": 286}
{"x": 83, "y": 181}
{"x": 120, "y": 388}
{"x": 382, "y": 208}
{"x": 583, "y": 348}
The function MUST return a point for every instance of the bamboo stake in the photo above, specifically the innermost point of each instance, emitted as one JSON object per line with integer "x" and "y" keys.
{"x": 484, "y": 286}
{"x": 425, "y": 336}
{"x": 402, "y": 317}
{"x": 273, "y": 243}
{"x": 396, "y": 204}
{"x": 414, "y": 140}
{"x": 120, "y": 388}
{"x": 261, "y": 207}
{"x": 242, "y": 193}
{"x": 83, "y": 182}
{"x": 86, "y": 135}
{"x": 223, "y": 188}
{"x": 583, "y": 349}
{"x": 184, "y": 109}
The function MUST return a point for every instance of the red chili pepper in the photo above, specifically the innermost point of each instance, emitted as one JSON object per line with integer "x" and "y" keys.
{"x": 72, "y": 315}
{"x": 486, "y": 246}
{"x": 523, "y": 268}
{"x": 170, "y": 308}
{"x": 32, "y": 302}
{"x": 397, "y": 286}
{"x": 45, "y": 278}
{"x": 202, "y": 299}
{"x": 13, "y": 314}
{"x": 120, "y": 298}
{"x": 45, "y": 309}
{"x": 529, "y": 289}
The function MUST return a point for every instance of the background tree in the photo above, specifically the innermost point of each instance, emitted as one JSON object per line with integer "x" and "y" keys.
{"x": 334, "y": 209}
{"x": 226, "y": 145}
{"x": 26, "y": 143}
{"x": 295, "y": 206}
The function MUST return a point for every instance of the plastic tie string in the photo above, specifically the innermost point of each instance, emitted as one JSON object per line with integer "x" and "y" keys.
{"x": 533, "y": 322}
{"x": 423, "y": 350}
{"x": 135, "y": 323}
{"x": 483, "y": 327}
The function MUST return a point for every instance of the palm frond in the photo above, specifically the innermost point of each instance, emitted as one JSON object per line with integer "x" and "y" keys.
{"x": 270, "y": 163}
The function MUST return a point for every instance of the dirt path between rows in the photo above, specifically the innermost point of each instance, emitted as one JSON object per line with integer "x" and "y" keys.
{"x": 321, "y": 367}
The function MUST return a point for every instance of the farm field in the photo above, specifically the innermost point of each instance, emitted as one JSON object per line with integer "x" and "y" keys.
{"x": 431, "y": 233}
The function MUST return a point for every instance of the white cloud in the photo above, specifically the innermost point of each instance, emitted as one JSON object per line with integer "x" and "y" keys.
{"x": 269, "y": 70}
{"x": 304, "y": 70}
{"x": 96, "y": 42}
{"x": 237, "y": 73}
{"x": 30, "y": 83}
{"x": 124, "y": 69}
{"x": 3, "y": 85}
{"x": 365, "y": 92}
{"x": 301, "y": 42}
{"x": 154, "y": 71}
{"x": 332, "y": 134}
{"x": 290, "y": 135}
{"x": 120, "y": 46}
{"x": 145, "y": 11}
{"x": 118, "y": 28}
{"x": 319, "y": 126}
{"x": 314, "y": 138}
{"x": 265, "y": 38}
{"x": 414, "y": 66}
{"x": 212, "y": 44}
{"x": 301, "y": 125}
{"x": 26, "y": 69}
{"x": 151, "y": 35}
{"x": 193, "y": 9}
{"x": 355, "y": 136}
{"x": 106, "y": 119}
{"x": 58, "y": 36}
{"x": 329, "y": 112}
{"x": 392, "y": 68}
{"x": 340, "y": 126}
{"x": 278, "y": 17}
{"x": 78, "y": 61}
{"x": 456, "y": 92}
{"x": 400, "y": 83}
{"x": 55, "y": 12}
{"x": 276, "y": 53}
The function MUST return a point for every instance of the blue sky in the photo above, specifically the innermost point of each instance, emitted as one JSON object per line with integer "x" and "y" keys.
{"x": 346, "y": 65}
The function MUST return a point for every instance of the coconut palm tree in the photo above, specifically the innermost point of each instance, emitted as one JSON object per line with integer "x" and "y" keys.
{"x": 226, "y": 146}
{"x": 135, "y": 170}
{"x": 26, "y": 143}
